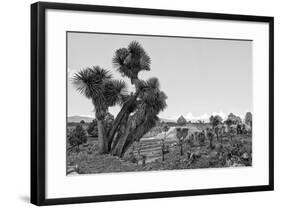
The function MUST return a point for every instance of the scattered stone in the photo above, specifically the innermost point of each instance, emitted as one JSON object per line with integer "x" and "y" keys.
{"x": 245, "y": 156}
{"x": 237, "y": 165}
{"x": 73, "y": 173}
{"x": 213, "y": 154}
{"x": 71, "y": 170}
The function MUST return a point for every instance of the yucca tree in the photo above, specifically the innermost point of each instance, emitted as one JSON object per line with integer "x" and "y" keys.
{"x": 146, "y": 101}
{"x": 215, "y": 121}
{"x": 150, "y": 102}
{"x": 129, "y": 62}
{"x": 96, "y": 84}
{"x": 139, "y": 109}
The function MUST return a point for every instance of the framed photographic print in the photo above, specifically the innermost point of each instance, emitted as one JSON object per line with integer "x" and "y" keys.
{"x": 134, "y": 103}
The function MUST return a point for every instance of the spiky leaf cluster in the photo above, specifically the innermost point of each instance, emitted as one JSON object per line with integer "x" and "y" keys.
{"x": 97, "y": 84}
{"x": 131, "y": 60}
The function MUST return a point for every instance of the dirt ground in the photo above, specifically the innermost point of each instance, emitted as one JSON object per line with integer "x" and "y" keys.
{"x": 235, "y": 153}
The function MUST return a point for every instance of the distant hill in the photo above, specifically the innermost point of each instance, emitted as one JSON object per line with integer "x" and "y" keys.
{"x": 77, "y": 119}
{"x": 167, "y": 120}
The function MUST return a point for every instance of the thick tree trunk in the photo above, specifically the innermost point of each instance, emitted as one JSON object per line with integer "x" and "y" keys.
{"x": 114, "y": 141}
{"x": 114, "y": 135}
{"x": 125, "y": 111}
{"x": 102, "y": 139}
{"x": 119, "y": 132}
{"x": 120, "y": 135}
{"x": 137, "y": 134}
{"x": 118, "y": 149}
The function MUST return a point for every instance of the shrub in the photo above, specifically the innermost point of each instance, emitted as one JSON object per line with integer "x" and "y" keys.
{"x": 181, "y": 121}
{"x": 77, "y": 136}
{"x": 93, "y": 128}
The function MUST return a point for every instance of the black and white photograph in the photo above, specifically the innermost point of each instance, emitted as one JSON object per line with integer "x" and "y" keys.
{"x": 153, "y": 103}
{"x": 168, "y": 104}
{"x": 133, "y": 103}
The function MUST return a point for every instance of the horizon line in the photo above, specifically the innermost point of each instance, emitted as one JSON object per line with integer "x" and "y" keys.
{"x": 188, "y": 116}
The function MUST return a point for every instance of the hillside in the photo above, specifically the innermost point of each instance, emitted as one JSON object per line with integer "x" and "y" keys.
{"x": 77, "y": 119}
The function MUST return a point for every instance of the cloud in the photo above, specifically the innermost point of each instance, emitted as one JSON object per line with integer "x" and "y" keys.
{"x": 204, "y": 117}
{"x": 191, "y": 117}
{"x": 221, "y": 114}
{"x": 70, "y": 72}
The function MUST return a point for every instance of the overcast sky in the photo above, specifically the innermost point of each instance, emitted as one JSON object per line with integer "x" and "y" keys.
{"x": 201, "y": 77}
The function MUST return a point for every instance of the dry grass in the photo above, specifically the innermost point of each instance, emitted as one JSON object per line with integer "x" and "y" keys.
{"x": 227, "y": 154}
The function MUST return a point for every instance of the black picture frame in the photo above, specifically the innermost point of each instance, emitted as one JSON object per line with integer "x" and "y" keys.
{"x": 38, "y": 102}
